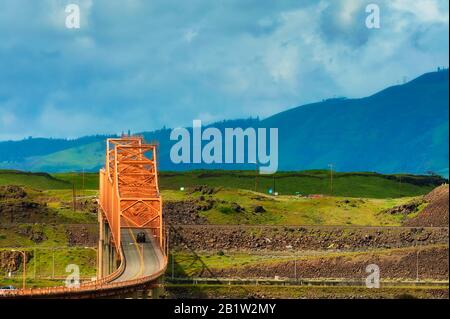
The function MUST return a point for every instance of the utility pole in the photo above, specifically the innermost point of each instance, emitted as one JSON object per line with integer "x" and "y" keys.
{"x": 173, "y": 266}
{"x": 331, "y": 178}
{"x": 53, "y": 263}
{"x": 273, "y": 183}
{"x": 82, "y": 182}
{"x": 34, "y": 262}
{"x": 295, "y": 268}
{"x": 417, "y": 265}
{"x": 256, "y": 178}
{"x": 24, "y": 269}
{"x": 74, "y": 206}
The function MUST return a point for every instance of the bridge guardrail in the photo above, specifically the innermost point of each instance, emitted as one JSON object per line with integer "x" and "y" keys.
{"x": 103, "y": 284}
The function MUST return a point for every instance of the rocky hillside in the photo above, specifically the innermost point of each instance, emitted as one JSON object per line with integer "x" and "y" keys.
{"x": 17, "y": 207}
{"x": 436, "y": 212}
{"x": 284, "y": 238}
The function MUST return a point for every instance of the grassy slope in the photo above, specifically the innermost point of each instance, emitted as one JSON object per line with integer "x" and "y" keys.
{"x": 33, "y": 180}
{"x": 70, "y": 159}
{"x": 293, "y": 210}
{"x": 40, "y": 266}
{"x": 80, "y": 180}
{"x": 378, "y": 191}
{"x": 309, "y": 182}
{"x": 57, "y": 194}
{"x": 56, "y": 236}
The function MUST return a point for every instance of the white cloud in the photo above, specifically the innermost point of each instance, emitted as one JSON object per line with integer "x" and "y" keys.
{"x": 423, "y": 10}
{"x": 7, "y": 119}
{"x": 347, "y": 11}
{"x": 190, "y": 35}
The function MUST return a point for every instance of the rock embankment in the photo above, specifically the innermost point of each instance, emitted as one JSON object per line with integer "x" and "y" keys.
{"x": 279, "y": 238}
{"x": 17, "y": 207}
{"x": 435, "y": 214}
{"x": 10, "y": 261}
{"x": 186, "y": 212}
{"x": 427, "y": 262}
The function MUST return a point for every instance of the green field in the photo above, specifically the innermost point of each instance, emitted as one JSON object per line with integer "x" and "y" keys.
{"x": 371, "y": 185}
{"x": 294, "y": 210}
{"x": 46, "y": 266}
{"x": 185, "y": 265}
{"x": 357, "y": 198}
{"x": 79, "y": 180}
{"x": 368, "y": 185}
{"x": 41, "y": 181}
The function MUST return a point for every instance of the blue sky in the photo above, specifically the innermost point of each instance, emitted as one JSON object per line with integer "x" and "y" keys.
{"x": 142, "y": 64}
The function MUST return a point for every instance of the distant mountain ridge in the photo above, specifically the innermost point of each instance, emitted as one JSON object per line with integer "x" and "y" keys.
{"x": 402, "y": 129}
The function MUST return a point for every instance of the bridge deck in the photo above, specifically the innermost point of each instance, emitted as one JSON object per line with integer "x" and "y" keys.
{"x": 141, "y": 259}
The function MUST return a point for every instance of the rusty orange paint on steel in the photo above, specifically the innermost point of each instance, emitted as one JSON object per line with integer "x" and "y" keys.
{"x": 129, "y": 193}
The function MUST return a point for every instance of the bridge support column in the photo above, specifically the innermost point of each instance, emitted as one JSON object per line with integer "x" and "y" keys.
{"x": 154, "y": 292}
{"x": 113, "y": 259}
{"x": 107, "y": 257}
{"x": 101, "y": 243}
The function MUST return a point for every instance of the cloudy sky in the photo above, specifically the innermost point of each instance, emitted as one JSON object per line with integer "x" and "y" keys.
{"x": 142, "y": 64}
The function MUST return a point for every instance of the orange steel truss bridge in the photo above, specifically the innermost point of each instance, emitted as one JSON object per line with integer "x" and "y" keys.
{"x": 129, "y": 205}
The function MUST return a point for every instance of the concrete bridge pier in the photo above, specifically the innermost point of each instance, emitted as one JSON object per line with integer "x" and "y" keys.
{"x": 107, "y": 256}
{"x": 155, "y": 291}
{"x": 148, "y": 293}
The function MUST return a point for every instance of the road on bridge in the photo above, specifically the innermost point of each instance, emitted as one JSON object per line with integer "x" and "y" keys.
{"x": 141, "y": 259}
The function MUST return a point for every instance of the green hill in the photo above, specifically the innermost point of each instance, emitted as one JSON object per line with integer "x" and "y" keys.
{"x": 87, "y": 157}
{"x": 33, "y": 180}
{"x": 402, "y": 129}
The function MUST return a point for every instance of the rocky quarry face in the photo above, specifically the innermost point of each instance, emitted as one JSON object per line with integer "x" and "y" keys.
{"x": 12, "y": 192}
{"x": 283, "y": 238}
{"x": 435, "y": 214}
{"x": 428, "y": 262}
{"x": 17, "y": 207}
{"x": 32, "y": 233}
{"x": 186, "y": 212}
{"x": 11, "y": 261}
{"x": 82, "y": 235}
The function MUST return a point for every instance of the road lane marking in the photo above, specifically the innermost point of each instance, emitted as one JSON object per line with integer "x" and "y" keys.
{"x": 141, "y": 257}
